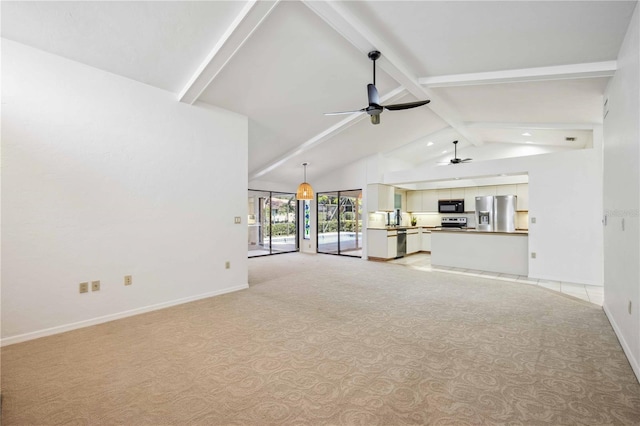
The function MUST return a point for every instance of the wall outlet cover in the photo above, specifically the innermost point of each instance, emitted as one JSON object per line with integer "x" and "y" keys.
{"x": 95, "y": 285}
{"x": 84, "y": 287}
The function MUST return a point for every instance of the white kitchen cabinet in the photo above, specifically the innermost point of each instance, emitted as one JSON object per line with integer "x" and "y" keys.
{"x": 422, "y": 201}
{"x": 470, "y": 198}
{"x": 522, "y": 191}
{"x": 380, "y": 198}
{"x": 429, "y": 200}
{"x": 413, "y": 241}
{"x": 457, "y": 193}
{"x": 486, "y": 190}
{"x": 414, "y": 201}
{"x": 392, "y": 246}
{"x": 506, "y": 190}
{"x": 425, "y": 241}
{"x": 382, "y": 243}
{"x": 444, "y": 194}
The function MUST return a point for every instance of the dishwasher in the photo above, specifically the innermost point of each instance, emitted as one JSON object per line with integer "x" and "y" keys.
{"x": 402, "y": 243}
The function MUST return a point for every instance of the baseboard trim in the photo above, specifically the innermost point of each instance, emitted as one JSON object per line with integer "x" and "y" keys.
{"x": 635, "y": 366}
{"x": 111, "y": 317}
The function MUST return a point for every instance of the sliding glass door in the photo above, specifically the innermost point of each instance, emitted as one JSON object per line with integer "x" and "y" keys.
{"x": 340, "y": 223}
{"x": 271, "y": 223}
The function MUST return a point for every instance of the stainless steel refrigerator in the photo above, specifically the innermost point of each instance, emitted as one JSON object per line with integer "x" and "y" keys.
{"x": 496, "y": 213}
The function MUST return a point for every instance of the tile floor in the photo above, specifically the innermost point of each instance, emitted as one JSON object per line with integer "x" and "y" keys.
{"x": 590, "y": 293}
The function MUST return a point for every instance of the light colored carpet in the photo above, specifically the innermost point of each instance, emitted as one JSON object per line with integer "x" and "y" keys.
{"x": 321, "y": 339}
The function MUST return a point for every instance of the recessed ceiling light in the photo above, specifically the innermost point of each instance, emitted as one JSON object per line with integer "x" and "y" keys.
{"x": 444, "y": 152}
{"x": 429, "y": 143}
{"x": 528, "y": 142}
{"x": 526, "y": 134}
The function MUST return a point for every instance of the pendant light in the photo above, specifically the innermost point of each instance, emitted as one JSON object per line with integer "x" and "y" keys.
{"x": 305, "y": 192}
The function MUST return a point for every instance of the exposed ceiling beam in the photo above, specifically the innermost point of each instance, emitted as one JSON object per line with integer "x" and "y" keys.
{"x": 532, "y": 126}
{"x": 561, "y": 72}
{"x": 365, "y": 39}
{"x": 324, "y": 136}
{"x": 248, "y": 20}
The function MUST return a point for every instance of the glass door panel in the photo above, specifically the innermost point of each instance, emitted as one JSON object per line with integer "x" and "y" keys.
{"x": 340, "y": 223}
{"x": 350, "y": 224}
{"x": 327, "y": 203}
{"x": 283, "y": 223}
{"x": 271, "y": 223}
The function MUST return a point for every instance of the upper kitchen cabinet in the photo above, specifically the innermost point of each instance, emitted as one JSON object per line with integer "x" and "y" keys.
{"x": 429, "y": 200}
{"x": 444, "y": 194}
{"x": 380, "y": 198}
{"x": 506, "y": 190}
{"x": 414, "y": 201}
{"x": 522, "y": 192}
{"x": 486, "y": 190}
{"x": 457, "y": 194}
{"x": 422, "y": 201}
{"x": 470, "y": 194}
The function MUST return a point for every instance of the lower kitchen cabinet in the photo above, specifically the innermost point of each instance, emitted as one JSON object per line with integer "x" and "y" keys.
{"x": 413, "y": 241}
{"x": 382, "y": 243}
{"x": 425, "y": 241}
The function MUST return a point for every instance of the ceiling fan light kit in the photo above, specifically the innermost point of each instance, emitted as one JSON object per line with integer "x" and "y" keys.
{"x": 374, "y": 109}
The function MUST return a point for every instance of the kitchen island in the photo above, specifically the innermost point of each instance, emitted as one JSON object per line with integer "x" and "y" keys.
{"x": 501, "y": 252}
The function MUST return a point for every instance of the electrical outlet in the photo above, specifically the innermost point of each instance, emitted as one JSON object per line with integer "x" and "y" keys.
{"x": 533, "y": 254}
{"x": 629, "y": 308}
{"x": 227, "y": 265}
{"x": 84, "y": 287}
{"x": 128, "y": 280}
{"x": 237, "y": 220}
{"x": 533, "y": 220}
{"x": 95, "y": 285}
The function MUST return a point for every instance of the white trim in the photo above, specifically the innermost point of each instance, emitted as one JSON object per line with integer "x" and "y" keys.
{"x": 560, "y": 72}
{"x": 635, "y": 366}
{"x": 111, "y": 317}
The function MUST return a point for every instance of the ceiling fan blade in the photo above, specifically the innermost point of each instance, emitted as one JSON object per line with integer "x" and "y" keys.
{"x": 372, "y": 94}
{"x": 345, "y": 112}
{"x": 408, "y": 105}
{"x": 467, "y": 159}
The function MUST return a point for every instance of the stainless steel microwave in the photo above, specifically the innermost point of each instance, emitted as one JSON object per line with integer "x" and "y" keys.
{"x": 451, "y": 206}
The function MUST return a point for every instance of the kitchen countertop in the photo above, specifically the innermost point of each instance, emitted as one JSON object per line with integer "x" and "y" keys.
{"x": 475, "y": 231}
{"x": 395, "y": 228}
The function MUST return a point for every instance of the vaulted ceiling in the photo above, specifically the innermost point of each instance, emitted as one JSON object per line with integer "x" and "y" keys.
{"x": 498, "y": 74}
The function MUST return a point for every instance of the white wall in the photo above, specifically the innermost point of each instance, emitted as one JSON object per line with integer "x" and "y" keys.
{"x": 565, "y": 197}
{"x": 104, "y": 177}
{"x": 622, "y": 196}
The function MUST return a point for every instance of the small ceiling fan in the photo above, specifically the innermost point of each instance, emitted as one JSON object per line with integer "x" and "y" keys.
{"x": 374, "y": 109}
{"x": 455, "y": 159}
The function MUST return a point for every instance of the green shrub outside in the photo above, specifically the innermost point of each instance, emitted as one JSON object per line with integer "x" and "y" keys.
{"x": 284, "y": 229}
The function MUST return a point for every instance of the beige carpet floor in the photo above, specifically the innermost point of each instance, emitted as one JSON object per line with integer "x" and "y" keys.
{"x": 321, "y": 339}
